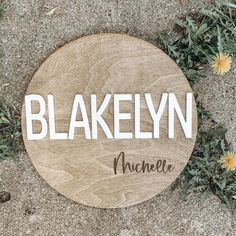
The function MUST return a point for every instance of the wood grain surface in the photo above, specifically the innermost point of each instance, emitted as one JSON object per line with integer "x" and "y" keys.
{"x": 82, "y": 169}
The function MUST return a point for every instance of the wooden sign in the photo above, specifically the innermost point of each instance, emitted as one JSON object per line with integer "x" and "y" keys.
{"x": 109, "y": 120}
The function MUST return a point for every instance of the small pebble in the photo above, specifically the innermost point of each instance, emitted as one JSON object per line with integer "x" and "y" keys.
{"x": 4, "y": 196}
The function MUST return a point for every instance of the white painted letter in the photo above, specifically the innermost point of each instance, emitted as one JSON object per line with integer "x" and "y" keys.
{"x": 156, "y": 116}
{"x": 51, "y": 119}
{"x": 76, "y": 124}
{"x": 174, "y": 106}
{"x": 97, "y": 116}
{"x": 138, "y": 133}
{"x": 121, "y": 116}
{"x": 39, "y": 117}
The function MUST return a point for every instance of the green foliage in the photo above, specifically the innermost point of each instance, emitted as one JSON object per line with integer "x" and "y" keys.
{"x": 10, "y": 133}
{"x": 201, "y": 36}
{"x": 204, "y": 172}
{"x": 2, "y": 9}
{"x": 197, "y": 39}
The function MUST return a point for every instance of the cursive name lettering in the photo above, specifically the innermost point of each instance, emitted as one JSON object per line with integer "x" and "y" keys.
{"x": 159, "y": 166}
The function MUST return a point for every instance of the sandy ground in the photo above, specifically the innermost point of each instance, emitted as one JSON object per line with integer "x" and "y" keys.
{"x": 218, "y": 95}
{"x": 28, "y": 35}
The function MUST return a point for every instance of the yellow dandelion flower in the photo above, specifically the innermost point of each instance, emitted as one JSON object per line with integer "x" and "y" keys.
{"x": 228, "y": 161}
{"x": 221, "y": 63}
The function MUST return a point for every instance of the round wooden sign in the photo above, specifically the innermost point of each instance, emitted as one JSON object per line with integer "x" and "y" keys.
{"x": 109, "y": 120}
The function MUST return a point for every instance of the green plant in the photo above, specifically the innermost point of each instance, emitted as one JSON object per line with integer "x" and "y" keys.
{"x": 199, "y": 37}
{"x": 10, "y": 132}
{"x": 203, "y": 172}
{"x": 2, "y": 9}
